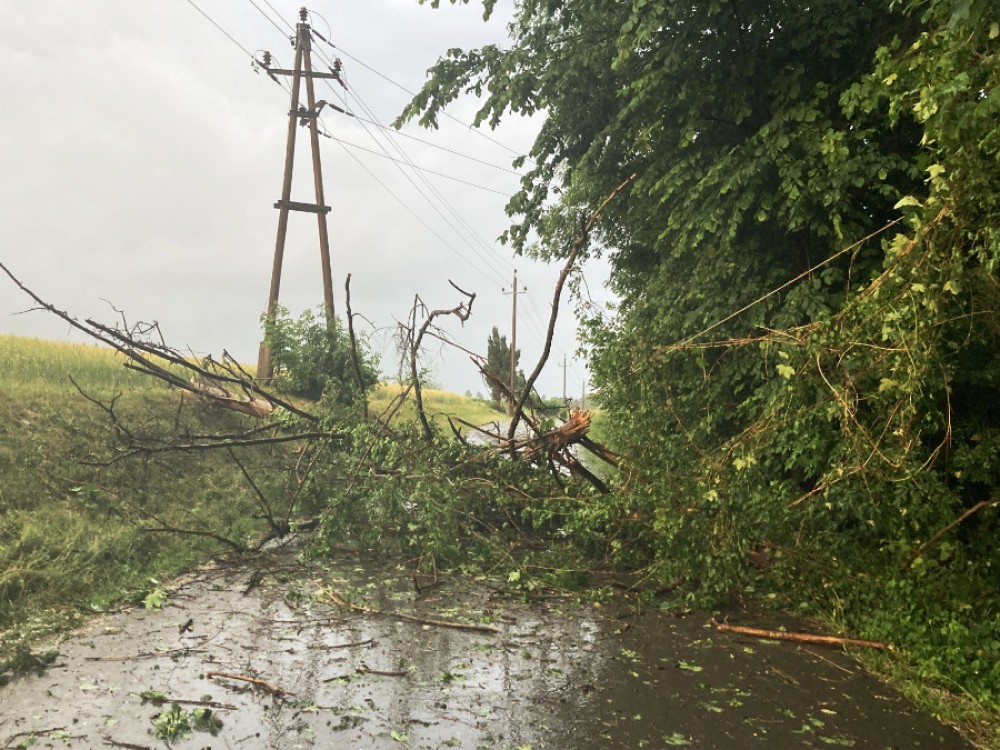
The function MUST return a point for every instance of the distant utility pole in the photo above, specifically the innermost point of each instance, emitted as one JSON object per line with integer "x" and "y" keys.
{"x": 299, "y": 115}
{"x": 565, "y": 399}
{"x": 513, "y": 345}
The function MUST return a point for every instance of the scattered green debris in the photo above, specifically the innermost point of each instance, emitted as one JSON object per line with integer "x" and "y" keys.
{"x": 156, "y": 697}
{"x": 676, "y": 739}
{"x": 177, "y": 723}
{"x": 156, "y": 598}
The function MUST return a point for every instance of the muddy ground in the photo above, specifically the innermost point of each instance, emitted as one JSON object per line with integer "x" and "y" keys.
{"x": 555, "y": 674}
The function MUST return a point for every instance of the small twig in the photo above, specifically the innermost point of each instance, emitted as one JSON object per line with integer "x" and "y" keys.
{"x": 780, "y": 635}
{"x": 253, "y": 681}
{"x": 209, "y": 704}
{"x": 381, "y": 673}
{"x": 366, "y": 642}
{"x": 253, "y": 582}
{"x": 937, "y": 537}
{"x": 235, "y": 546}
{"x": 35, "y": 732}
{"x": 148, "y": 655}
{"x": 127, "y": 745}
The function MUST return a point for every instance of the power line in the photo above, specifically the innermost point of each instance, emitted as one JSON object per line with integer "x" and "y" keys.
{"x": 491, "y": 257}
{"x": 406, "y": 159}
{"x": 413, "y": 166}
{"x": 471, "y": 233}
{"x": 229, "y": 36}
{"x": 416, "y": 215}
{"x": 392, "y": 131}
{"x": 401, "y": 87}
{"x": 233, "y": 39}
{"x": 487, "y": 259}
{"x": 279, "y": 15}
{"x": 269, "y": 19}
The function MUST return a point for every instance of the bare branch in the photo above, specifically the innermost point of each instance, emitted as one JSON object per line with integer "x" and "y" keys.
{"x": 937, "y": 537}
{"x": 462, "y": 311}
{"x": 575, "y": 248}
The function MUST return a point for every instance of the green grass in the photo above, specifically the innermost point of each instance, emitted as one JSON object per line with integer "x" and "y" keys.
{"x": 438, "y": 404}
{"x": 69, "y": 541}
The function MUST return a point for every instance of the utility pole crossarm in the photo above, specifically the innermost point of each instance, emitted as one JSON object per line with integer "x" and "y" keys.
{"x": 307, "y": 207}
{"x": 304, "y": 74}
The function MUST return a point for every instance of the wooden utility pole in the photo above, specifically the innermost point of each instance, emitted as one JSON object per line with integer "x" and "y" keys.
{"x": 565, "y": 399}
{"x": 513, "y": 345}
{"x": 299, "y": 115}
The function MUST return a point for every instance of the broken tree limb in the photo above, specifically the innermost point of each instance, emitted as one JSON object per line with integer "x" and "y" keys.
{"x": 552, "y": 446}
{"x": 937, "y": 537}
{"x": 143, "y": 355}
{"x": 254, "y": 407}
{"x": 414, "y": 338}
{"x": 253, "y": 681}
{"x": 781, "y": 635}
{"x": 560, "y": 438}
{"x": 575, "y": 248}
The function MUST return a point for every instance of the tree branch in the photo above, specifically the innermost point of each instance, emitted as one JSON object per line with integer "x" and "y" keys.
{"x": 575, "y": 248}
{"x": 937, "y": 537}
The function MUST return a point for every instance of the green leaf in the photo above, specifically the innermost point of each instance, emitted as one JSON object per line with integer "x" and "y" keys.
{"x": 785, "y": 371}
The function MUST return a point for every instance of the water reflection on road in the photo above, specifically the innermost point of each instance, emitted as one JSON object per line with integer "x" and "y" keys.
{"x": 555, "y": 675}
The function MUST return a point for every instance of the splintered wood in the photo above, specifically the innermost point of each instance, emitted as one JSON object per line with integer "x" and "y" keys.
{"x": 553, "y": 446}
{"x": 559, "y": 439}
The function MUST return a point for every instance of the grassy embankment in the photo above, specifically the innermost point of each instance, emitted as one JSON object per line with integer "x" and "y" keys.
{"x": 438, "y": 404}
{"x": 71, "y": 533}
{"x": 69, "y": 537}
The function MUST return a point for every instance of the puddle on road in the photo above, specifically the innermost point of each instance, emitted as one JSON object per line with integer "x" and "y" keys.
{"x": 554, "y": 676}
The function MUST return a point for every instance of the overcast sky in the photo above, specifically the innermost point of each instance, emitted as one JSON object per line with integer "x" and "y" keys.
{"x": 141, "y": 157}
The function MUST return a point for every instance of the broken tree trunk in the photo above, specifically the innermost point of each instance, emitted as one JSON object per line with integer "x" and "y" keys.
{"x": 559, "y": 439}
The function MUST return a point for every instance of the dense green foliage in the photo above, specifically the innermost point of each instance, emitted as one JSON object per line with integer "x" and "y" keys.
{"x": 312, "y": 359}
{"x": 802, "y": 363}
{"x": 497, "y": 375}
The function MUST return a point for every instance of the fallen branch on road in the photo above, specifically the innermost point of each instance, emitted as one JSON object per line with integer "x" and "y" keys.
{"x": 781, "y": 635}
